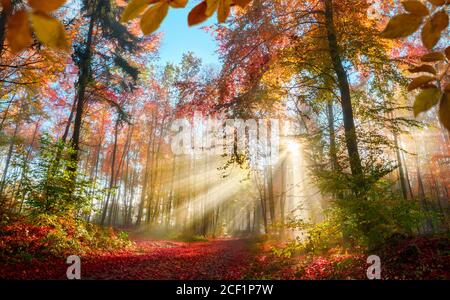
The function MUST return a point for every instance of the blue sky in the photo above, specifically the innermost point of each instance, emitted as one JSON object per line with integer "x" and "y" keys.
{"x": 179, "y": 38}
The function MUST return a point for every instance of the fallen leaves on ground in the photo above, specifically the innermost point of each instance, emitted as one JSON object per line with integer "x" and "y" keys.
{"x": 421, "y": 258}
{"x": 230, "y": 259}
{"x": 219, "y": 259}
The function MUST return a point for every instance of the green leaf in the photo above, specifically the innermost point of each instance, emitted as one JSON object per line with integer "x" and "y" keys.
{"x": 426, "y": 99}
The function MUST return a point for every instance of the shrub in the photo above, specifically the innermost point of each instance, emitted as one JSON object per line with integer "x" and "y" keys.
{"x": 358, "y": 222}
{"x": 55, "y": 235}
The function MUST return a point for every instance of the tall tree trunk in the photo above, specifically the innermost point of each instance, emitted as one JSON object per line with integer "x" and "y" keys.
{"x": 4, "y": 15}
{"x": 400, "y": 168}
{"x": 111, "y": 181}
{"x": 83, "y": 79}
{"x": 8, "y": 159}
{"x": 27, "y": 158}
{"x": 408, "y": 181}
{"x": 270, "y": 194}
{"x": 332, "y": 134}
{"x": 6, "y": 111}
{"x": 145, "y": 183}
{"x": 344, "y": 88}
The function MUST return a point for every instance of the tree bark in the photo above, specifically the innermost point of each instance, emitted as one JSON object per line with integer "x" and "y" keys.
{"x": 344, "y": 88}
{"x": 4, "y": 15}
{"x": 111, "y": 181}
{"x": 83, "y": 79}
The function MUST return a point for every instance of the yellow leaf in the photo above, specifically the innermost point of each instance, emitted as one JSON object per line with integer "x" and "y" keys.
{"x": 402, "y": 25}
{"x": 423, "y": 68}
{"x": 431, "y": 33}
{"x": 211, "y": 7}
{"x": 135, "y": 8}
{"x": 49, "y": 31}
{"x": 444, "y": 111}
{"x": 198, "y": 14}
{"x": 433, "y": 57}
{"x": 415, "y": 7}
{"x": 437, "y": 2}
{"x": 178, "y": 3}
{"x": 242, "y": 3}
{"x": 46, "y": 6}
{"x": 19, "y": 32}
{"x": 153, "y": 17}
{"x": 224, "y": 10}
{"x": 420, "y": 81}
{"x": 426, "y": 100}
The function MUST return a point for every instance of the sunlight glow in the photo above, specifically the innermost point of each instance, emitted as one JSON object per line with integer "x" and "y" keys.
{"x": 293, "y": 147}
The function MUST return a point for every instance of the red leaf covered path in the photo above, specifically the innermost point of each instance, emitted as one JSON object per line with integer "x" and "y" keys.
{"x": 219, "y": 259}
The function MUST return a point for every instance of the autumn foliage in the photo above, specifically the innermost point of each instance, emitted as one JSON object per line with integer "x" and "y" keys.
{"x": 349, "y": 102}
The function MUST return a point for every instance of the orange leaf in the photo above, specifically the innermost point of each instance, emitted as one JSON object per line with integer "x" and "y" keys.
{"x": 198, "y": 14}
{"x": 242, "y": 3}
{"x": 433, "y": 57}
{"x": 19, "y": 32}
{"x": 6, "y": 4}
{"x": 447, "y": 88}
{"x": 419, "y": 81}
{"x": 178, "y": 3}
{"x": 211, "y": 7}
{"x": 223, "y": 11}
{"x": 135, "y": 8}
{"x": 153, "y": 17}
{"x": 415, "y": 7}
{"x": 423, "y": 68}
{"x": 46, "y": 6}
{"x": 431, "y": 33}
{"x": 49, "y": 31}
{"x": 444, "y": 111}
{"x": 402, "y": 25}
{"x": 437, "y": 2}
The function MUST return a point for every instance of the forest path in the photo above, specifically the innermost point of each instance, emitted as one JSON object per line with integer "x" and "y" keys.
{"x": 217, "y": 259}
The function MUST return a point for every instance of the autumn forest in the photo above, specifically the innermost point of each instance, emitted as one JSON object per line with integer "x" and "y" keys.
{"x": 313, "y": 143}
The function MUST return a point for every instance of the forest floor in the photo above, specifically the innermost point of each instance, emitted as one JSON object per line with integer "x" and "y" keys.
{"x": 421, "y": 258}
{"x": 149, "y": 259}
